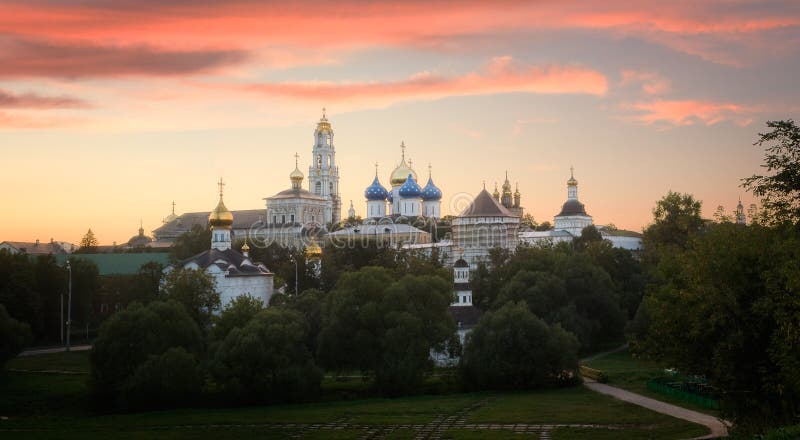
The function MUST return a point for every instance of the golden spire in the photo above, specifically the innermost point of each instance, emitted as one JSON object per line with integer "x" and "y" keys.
{"x": 221, "y": 185}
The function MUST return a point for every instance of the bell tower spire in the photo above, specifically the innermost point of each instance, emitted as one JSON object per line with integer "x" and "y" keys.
{"x": 323, "y": 174}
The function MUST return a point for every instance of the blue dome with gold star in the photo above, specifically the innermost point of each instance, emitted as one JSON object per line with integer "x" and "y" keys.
{"x": 376, "y": 191}
{"x": 410, "y": 188}
{"x": 431, "y": 191}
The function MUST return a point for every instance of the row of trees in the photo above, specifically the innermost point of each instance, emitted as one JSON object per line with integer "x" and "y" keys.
{"x": 722, "y": 299}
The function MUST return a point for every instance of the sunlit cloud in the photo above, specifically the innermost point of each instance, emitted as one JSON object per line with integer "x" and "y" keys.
{"x": 35, "y": 101}
{"x": 30, "y": 58}
{"x": 691, "y": 112}
{"x": 502, "y": 75}
{"x": 650, "y": 83}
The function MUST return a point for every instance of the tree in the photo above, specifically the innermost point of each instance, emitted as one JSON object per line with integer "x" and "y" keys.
{"x": 195, "y": 290}
{"x": 529, "y": 221}
{"x": 589, "y": 234}
{"x": 721, "y": 216}
{"x": 779, "y": 190}
{"x": 236, "y": 315}
{"x": 128, "y": 339}
{"x": 384, "y": 327}
{"x": 544, "y": 226}
{"x": 190, "y": 243}
{"x": 148, "y": 280}
{"x": 267, "y": 359}
{"x": 675, "y": 218}
{"x": 726, "y": 308}
{"x": 88, "y": 242}
{"x": 14, "y": 336}
{"x": 511, "y": 348}
{"x": 163, "y": 380}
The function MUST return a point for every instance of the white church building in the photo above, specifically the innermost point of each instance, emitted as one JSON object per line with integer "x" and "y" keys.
{"x": 233, "y": 272}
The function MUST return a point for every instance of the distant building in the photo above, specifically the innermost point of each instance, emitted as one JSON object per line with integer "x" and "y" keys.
{"x": 508, "y": 200}
{"x": 38, "y": 248}
{"x": 233, "y": 272}
{"x": 463, "y": 312}
{"x": 484, "y": 225}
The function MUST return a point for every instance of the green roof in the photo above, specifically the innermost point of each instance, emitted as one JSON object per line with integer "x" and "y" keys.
{"x": 118, "y": 264}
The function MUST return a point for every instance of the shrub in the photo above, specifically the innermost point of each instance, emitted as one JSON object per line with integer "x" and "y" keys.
{"x": 267, "y": 360}
{"x": 128, "y": 339}
{"x": 163, "y": 380}
{"x": 512, "y": 348}
{"x": 14, "y": 336}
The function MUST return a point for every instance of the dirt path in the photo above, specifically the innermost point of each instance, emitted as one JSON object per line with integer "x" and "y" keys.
{"x": 719, "y": 428}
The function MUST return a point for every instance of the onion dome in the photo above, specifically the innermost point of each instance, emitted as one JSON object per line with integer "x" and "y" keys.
{"x": 461, "y": 263}
{"x": 220, "y": 216}
{"x": 516, "y": 192}
{"x": 431, "y": 192}
{"x": 400, "y": 174}
{"x": 572, "y": 181}
{"x": 313, "y": 251}
{"x": 496, "y": 193}
{"x": 390, "y": 198}
{"x": 410, "y": 188}
{"x": 376, "y": 191}
{"x": 296, "y": 176}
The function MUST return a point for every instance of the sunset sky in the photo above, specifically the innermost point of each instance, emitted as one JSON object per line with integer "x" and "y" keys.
{"x": 112, "y": 109}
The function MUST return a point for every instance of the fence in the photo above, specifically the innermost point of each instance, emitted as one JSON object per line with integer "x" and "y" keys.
{"x": 694, "y": 392}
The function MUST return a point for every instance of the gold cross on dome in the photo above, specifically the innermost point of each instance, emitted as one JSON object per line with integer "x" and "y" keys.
{"x": 221, "y": 185}
{"x": 296, "y": 159}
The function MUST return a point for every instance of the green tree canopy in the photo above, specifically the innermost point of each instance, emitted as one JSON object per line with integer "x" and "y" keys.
{"x": 190, "y": 243}
{"x": 128, "y": 339}
{"x": 236, "y": 315}
{"x": 267, "y": 359}
{"x": 675, "y": 218}
{"x": 511, "y": 348}
{"x": 14, "y": 336}
{"x": 779, "y": 189}
{"x": 195, "y": 290}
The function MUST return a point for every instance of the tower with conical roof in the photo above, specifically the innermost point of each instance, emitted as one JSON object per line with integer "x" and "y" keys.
{"x": 220, "y": 220}
{"x": 323, "y": 174}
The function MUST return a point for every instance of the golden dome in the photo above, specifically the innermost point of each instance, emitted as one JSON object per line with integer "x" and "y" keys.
{"x": 220, "y": 216}
{"x": 572, "y": 181}
{"x": 313, "y": 251}
{"x": 296, "y": 175}
{"x": 245, "y": 247}
{"x": 323, "y": 124}
{"x": 400, "y": 174}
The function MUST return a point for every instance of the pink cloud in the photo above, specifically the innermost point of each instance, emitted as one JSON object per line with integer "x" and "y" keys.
{"x": 690, "y": 112}
{"x": 703, "y": 29}
{"x": 502, "y": 75}
{"x": 31, "y": 58}
{"x": 35, "y": 101}
{"x": 651, "y": 83}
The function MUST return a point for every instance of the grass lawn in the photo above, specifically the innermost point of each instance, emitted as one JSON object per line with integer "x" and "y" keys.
{"x": 632, "y": 374}
{"x": 56, "y": 406}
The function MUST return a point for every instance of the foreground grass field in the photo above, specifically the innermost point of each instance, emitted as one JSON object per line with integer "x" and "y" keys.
{"x": 55, "y": 406}
{"x": 632, "y": 374}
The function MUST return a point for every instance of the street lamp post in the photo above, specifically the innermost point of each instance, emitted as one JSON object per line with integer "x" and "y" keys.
{"x": 296, "y": 279}
{"x": 69, "y": 304}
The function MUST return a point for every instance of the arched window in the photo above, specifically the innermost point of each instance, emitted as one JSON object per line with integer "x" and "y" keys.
{"x": 319, "y": 161}
{"x": 318, "y": 188}
{"x": 330, "y": 164}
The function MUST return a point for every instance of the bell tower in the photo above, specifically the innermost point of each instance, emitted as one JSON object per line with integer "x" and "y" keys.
{"x": 323, "y": 174}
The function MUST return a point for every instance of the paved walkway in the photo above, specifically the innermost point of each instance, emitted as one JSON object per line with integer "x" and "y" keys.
{"x": 719, "y": 428}
{"x": 34, "y": 352}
